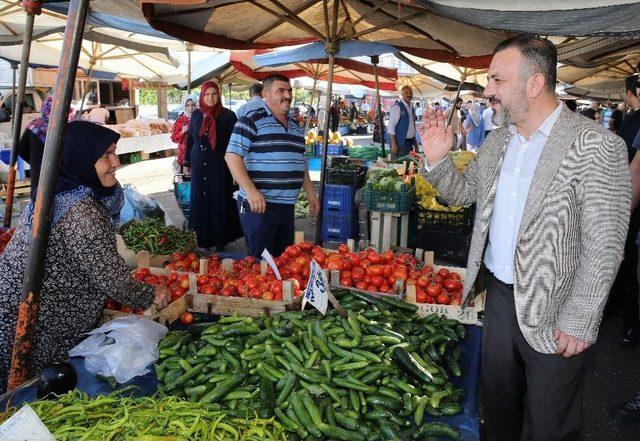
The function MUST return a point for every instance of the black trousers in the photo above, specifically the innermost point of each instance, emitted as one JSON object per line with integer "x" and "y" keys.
{"x": 513, "y": 374}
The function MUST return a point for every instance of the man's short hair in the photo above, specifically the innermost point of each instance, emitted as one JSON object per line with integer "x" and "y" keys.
{"x": 255, "y": 89}
{"x": 631, "y": 83}
{"x": 571, "y": 104}
{"x": 268, "y": 82}
{"x": 436, "y": 103}
{"x": 539, "y": 55}
{"x": 459, "y": 100}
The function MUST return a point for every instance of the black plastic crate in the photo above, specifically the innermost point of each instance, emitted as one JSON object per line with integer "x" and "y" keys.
{"x": 435, "y": 221}
{"x": 354, "y": 178}
{"x": 450, "y": 248}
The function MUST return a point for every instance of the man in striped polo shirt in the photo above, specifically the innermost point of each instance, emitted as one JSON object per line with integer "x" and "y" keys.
{"x": 266, "y": 158}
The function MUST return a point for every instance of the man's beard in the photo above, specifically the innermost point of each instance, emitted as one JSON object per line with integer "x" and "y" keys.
{"x": 506, "y": 115}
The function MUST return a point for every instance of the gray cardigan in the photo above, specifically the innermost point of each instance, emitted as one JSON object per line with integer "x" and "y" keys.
{"x": 571, "y": 238}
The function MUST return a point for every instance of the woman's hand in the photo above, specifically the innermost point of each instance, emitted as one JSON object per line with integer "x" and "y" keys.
{"x": 162, "y": 297}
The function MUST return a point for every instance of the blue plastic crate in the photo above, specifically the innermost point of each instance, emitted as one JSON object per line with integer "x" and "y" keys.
{"x": 339, "y": 198}
{"x": 332, "y": 150}
{"x": 339, "y": 228}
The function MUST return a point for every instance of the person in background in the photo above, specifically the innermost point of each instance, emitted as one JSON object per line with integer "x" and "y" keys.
{"x": 487, "y": 117}
{"x": 99, "y": 115}
{"x": 212, "y": 215}
{"x": 418, "y": 111}
{"x": 266, "y": 157}
{"x": 334, "y": 115}
{"x": 401, "y": 129}
{"x": 364, "y": 107}
{"x": 5, "y": 114}
{"x": 255, "y": 92}
{"x": 353, "y": 111}
{"x": 615, "y": 122}
{"x": 322, "y": 115}
{"x": 82, "y": 267}
{"x": 180, "y": 129}
{"x": 552, "y": 251}
{"x": 474, "y": 127}
{"x": 456, "y": 126}
{"x": 571, "y": 105}
{"x": 31, "y": 147}
{"x": 626, "y": 286}
{"x": 589, "y": 112}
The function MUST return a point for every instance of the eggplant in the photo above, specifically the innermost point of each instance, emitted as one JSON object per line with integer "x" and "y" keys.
{"x": 57, "y": 378}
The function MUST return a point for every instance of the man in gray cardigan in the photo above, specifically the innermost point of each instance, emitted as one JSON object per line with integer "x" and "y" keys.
{"x": 553, "y": 193}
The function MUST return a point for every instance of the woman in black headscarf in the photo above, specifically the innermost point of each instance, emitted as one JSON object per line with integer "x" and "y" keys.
{"x": 82, "y": 266}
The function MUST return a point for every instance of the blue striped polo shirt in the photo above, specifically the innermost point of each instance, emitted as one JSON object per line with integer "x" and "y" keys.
{"x": 273, "y": 155}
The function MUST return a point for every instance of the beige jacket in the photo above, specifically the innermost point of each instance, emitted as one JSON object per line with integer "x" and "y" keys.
{"x": 573, "y": 229}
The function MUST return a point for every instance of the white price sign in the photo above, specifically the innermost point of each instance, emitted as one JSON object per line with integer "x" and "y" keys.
{"x": 317, "y": 292}
{"x": 24, "y": 425}
{"x": 266, "y": 255}
{"x": 467, "y": 316}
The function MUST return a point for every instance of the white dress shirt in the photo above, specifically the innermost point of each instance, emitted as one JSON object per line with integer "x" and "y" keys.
{"x": 394, "y": 117}
{"x": 519, "y": 165}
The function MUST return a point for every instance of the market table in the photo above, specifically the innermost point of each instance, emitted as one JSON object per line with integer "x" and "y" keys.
{"x": 467, "y": 422}
{"x": 147, "y": 144}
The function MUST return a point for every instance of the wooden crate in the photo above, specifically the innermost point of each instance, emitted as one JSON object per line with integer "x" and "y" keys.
{"x": 221, "y": 305}
{"x": 164, "y": 316}
{"x": 131, "y": 258}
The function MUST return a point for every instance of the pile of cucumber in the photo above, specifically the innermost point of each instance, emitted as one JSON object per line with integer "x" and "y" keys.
{"x": 374, "y": 374}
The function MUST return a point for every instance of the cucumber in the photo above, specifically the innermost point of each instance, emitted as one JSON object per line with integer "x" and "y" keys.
{"x": 340, "y": 434}
{"x": 289, "y": 383}
{"x": 223, "y": 388}
{"x": 267, "y": 399}
{"x": 304, "y": 417}
{"x": 384, "y": 402}
{"x": 411, "y": 367}
{"x": 438, "y": 430}
{"x": 450, "y": 409}
{"x": 399, "y": 304}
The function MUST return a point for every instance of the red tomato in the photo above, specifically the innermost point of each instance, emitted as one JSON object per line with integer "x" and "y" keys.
{"x": 276, "y": 287}
{"x": 364, "y": 263}
{"x": 320, "y": 258}
{"x": 184, "y": 283}
{"x": 176, "y": 256}
{"x": 444, "y": 273}
{"x": 400, "y": 274}
{"x": 450, "y": 284}
{"x": 295, "y": 268}
{"x": 292, "y": 251}
{"x": 377, "y": 281}
{"x": 305, "y": 246}
{"x": 207, "y": 289}
{"x": 186, "y": 318}
{"x": 357, "y": 273}
{"x": 202, "y": 280}
{"x": 176, "y": 293}
{"x": 354, "y": 259}
{"x": 443, "y": 299}
{"x": 421, "y": 296}
{"x": 152, "y": 280}
{"x": 346, "y": 281}
{"x": 335, "y": 265}
{"x": 387, "y": 270}
{"x": 173, "y": 277}
{"x": 384, "y": 288}
{"x": 361, "y": 285}
{"x": 423, "y": 282}
{"x": 427, "y": 269}
{"x": 371, "y": 288}
{"x": 267, "y": 295}
{"x": 454, "y": 276}
{"x": 343, "y": 249}
{"x": 434, "y": 290}
{"x": 227, "y": 291}
{"x": 375, "y": 270}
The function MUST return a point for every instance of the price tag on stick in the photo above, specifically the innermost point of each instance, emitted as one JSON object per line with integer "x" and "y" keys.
{"x": 317, "y": 292}
{"x": 266, "y": 255}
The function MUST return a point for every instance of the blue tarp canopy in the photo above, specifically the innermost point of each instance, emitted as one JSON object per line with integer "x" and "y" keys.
{"x": 316, "y": 51}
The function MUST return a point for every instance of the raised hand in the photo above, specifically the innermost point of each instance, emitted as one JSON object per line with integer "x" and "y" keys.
{"x": 437, "y": 139}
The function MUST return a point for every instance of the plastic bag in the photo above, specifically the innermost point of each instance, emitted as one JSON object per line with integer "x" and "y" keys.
{"x": 122, "y": 348}
{"x": 139, "y": 206}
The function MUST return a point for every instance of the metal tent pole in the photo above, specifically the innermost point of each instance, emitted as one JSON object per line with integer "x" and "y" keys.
{"x": 32, "y": 8}
{"x": 189, "y": 47}
{"x": 332, "y": 50}
{"x": 14, "y": 68}
{"x": 375, "y": 60}
{"x": 92, "y": 64}
{"x": 34, "y": 269}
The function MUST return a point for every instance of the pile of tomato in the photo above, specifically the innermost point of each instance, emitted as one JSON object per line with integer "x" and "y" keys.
{"x": 5, "y": 237}
{"x": 366, "y": 270}
{"x": 443, "y": 287}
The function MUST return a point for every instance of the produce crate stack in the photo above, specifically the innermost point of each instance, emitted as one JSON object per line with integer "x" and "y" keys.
{"x": 340, "y": 220}
{"x": 332, "y": 150}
